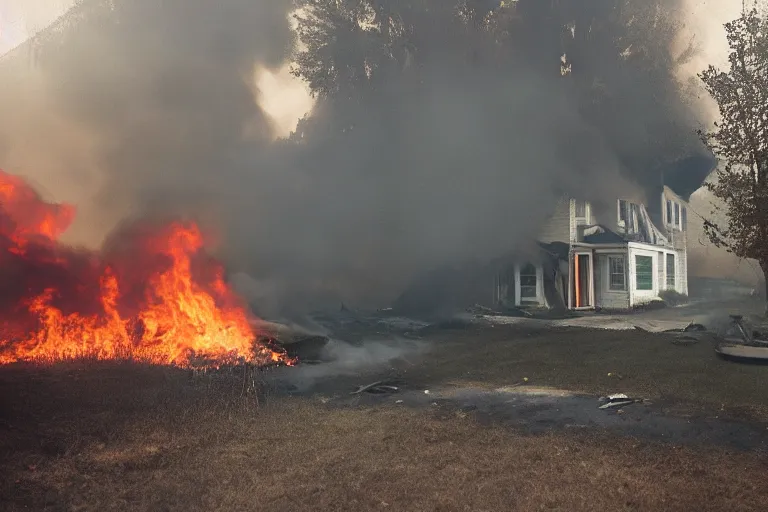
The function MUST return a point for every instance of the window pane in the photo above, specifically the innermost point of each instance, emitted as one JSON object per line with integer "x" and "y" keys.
{"x": 669, "y": 212}
{"x": 617, "y": 274}
{"x": 677, "y": 214}
{"x": 528, "y": 281}
{"x": 670, "y": 270}
{"x": 685, "y": 218}
{"x": 581, "y": 209}
{"x": 644, "y": 272}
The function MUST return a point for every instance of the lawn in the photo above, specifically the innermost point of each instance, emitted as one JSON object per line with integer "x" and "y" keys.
{"x": 97, "y": 436}
{"x": 597, "y": 362}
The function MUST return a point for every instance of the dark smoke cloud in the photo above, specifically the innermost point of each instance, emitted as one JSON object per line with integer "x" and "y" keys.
{"x": 452, "y": 149}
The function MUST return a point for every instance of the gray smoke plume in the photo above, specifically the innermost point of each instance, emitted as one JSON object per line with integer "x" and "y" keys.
{"x": 347, "y": 360}
{"x": 437, "y": 136}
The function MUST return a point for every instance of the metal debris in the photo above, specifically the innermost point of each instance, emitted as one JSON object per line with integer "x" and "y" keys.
{"x": 617, "y": 400}
{"x": 377, "y": 388}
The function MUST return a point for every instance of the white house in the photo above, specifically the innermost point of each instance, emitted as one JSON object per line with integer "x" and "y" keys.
{"x": 615, "y": 260}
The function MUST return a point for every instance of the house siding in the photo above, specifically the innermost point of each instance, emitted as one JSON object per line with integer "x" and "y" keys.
{"x": 605, "y": 298}
{"x": 678, "y": 239}
{"x": 651, "y": 241}
{"x": 683, "y": 271}
{"x": 557, "y": 227}
{"x": 661, "y": 270}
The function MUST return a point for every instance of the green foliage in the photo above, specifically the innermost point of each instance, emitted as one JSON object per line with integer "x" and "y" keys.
{"x": 740, "y": 141}
{"x": 616, "y": 62}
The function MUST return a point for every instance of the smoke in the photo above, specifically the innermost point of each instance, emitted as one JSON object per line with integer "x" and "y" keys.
{"x": 349, "y": 360}
{"x": 132, "y": 107}
{"x": 434, "y": 146}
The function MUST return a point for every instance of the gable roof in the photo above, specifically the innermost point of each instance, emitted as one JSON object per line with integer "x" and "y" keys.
{"x": 603, "y": 235}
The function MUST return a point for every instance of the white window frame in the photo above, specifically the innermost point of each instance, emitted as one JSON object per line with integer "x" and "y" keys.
{"x": 611, "y": 273}
{"x": 582, "y": 220}
{"x": 539, "y": 298}
{"x": 673, "y": 286}
{"x": 669, "y": 211}
{"x": 640, "y": 296}
{"x": 619, "y": 222}
{"x": 673, "y": 215}
{"x": 652, "y": 274}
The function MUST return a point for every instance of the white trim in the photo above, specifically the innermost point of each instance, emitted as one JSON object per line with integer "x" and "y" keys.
{"x": 669, "y": 219}
{"x": 634, "y": 293}
{"x": 620, "y": 223}
{"x": 622, "y": 249}
{"x": 539, "y": 299}
{"x": 649, "y": 247}
{"x": 609, "y": 273}
{"x": 675, "y": 265}
{"x": 599, "y": 247}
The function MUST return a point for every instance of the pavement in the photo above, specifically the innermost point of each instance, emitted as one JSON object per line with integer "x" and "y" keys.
{"x": 711, "y": 314}
{"x": 609, "y": 322}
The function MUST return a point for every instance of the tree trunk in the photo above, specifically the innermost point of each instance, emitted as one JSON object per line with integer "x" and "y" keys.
{"x": 764, "y": 267}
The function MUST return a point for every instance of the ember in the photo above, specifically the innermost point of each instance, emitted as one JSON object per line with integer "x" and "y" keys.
{"x": 155, "y": 296}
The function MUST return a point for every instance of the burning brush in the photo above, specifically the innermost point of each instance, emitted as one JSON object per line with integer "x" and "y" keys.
{"x": 155, "y": 297}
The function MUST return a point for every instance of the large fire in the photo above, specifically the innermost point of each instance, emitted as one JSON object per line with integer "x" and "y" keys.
{"x": 151, "y": 294}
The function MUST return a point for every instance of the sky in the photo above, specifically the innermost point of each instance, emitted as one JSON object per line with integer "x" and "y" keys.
{"x": 706, "y": 20}
{"x": 21, "y": 18}
{"x": 283, "y": 97}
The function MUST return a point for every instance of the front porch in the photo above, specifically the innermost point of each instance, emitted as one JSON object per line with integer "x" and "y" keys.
{"x": 621, "y": 276}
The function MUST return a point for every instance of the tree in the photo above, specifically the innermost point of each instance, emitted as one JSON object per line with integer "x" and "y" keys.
{"x": 740, "y": 141}
{"x": 623, "y": 75}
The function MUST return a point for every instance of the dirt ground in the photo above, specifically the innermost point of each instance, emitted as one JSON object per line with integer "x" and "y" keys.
{"x": 97, "y": 436}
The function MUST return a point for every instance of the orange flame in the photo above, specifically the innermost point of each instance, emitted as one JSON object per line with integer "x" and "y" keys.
{"x": 155, "y": 298}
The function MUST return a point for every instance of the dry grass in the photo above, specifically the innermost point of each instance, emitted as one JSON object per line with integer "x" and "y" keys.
{"x": 107, "y": 436}
{"x": 137, "y": 438}
{"x": 640, "y": 363}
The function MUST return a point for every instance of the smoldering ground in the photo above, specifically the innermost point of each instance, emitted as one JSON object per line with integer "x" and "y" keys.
{"x": 346, "y": 360}
{"x": 448, "y": 139}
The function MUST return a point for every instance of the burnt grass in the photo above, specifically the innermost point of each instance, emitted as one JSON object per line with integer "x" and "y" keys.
{"x": 691, "y": 379}
{"x": 125, "y": 436}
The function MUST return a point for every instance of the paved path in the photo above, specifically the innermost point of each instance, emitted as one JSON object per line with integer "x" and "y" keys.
{"x": 610, "y": 322}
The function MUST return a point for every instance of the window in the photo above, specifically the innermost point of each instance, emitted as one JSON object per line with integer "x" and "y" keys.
{"x": 676, "y": 215}
{"x": 581, "y": 209}
{"x": 644, "y": 272}
{"x": 617, "y": 273}
{"x": 528, "y": 281}
{"x": 622, "y": 212}
{"x": 670, "y": 271}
